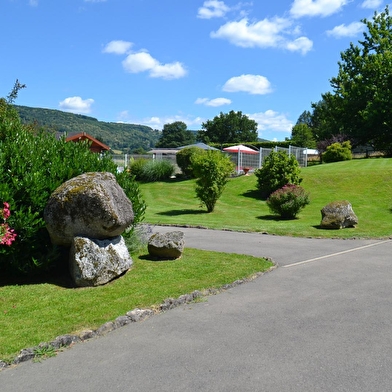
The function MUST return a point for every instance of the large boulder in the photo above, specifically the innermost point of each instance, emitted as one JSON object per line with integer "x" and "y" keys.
{"x": 338, "y": 215}
{"x": 96, "y": 262}
{"x": 166, "y": 245}
{"x": 91, "y": 205}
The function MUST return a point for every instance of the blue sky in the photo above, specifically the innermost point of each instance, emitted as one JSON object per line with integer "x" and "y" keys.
{"x": 153, "y": 62}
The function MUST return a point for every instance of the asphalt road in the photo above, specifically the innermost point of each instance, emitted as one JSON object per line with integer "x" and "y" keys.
{"x": 321, "y": 321}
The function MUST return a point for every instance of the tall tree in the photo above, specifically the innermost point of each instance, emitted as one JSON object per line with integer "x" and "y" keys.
{"x": 302, "y": 136}
{"x": 325, "y": 120}
{"x": 305, "y": 118}
{"x": 175, "y": 135}
{"x": 232, "y": 127}
{"x": 363, "y": 87}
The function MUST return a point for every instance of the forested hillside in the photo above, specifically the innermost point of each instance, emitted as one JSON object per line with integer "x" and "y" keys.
{"x": 127, "y": 138}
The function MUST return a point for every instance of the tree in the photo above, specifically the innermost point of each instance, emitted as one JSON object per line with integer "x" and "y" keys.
{"x": 175, "y": 135}
{"x": 325, "y": 118}
{"x": 232, "y": 127}
{"x": 302, "y": 136}
{"x": 362, "y": 89}
{"x": 305, "y": 118}
{"x": 212, "y": 170}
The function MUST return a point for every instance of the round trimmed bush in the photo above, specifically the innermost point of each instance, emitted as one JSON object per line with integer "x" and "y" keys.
{"x": 288, "y": 201}
{"x": 278, "y": 170}
{"x": 184, "y": 159}
{"x": 337, "y": 152}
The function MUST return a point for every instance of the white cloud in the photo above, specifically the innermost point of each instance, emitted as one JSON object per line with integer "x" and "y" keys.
{"x": 371, "y": 4}
{"x": 302, "y": 8}
{"x": 76, "y": 105}
{"x": 252, "y": 84}
{"x": 213, "y": 102}
{"x": 33, "y": 3}
{"x": 144, "y": 62}
{"x": 265, "y": 33}
{"x": 212, "y": 9}
{"x": 117, "y": 47}
{"x": 350, "y": 30}
{"x": 272, "y": 121}
{"x": 301, "y": 44}
{"x": 159, "y": 122}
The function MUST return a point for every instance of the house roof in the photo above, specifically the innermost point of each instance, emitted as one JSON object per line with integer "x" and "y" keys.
{"x": 96, "y": 145}
{"x": 200, "y": 145}
{"x": 163, "y": 151}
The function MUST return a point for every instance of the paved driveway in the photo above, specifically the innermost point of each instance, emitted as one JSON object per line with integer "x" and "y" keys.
{"x": 320, "y": 322}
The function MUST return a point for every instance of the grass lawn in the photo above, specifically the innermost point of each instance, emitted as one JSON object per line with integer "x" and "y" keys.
{"x": 365, "y": 183}
{"x": 38, "y": 312}
{"x": 31, "y": 313}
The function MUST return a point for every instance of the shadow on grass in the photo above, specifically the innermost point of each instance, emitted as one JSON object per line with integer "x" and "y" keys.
{"x": 275, "y": 218}
{"x": 182, "y": 212}
{"x": 148, "y": 257}
{"x": 318, "y": 227}
{"x": 253, "y": 194}
{"x": 58, "y": 275}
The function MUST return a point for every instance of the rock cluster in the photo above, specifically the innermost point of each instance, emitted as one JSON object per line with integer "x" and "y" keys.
{"x": 338, "y": 215}
{"x": 88, "y": 214}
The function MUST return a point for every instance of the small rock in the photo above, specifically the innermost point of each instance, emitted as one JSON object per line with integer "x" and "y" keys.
{"x": 105, "y": 328}
{"x": 338, "y": 215}
{"x": 167, "y": 246}
{"x": 97, "y": 262}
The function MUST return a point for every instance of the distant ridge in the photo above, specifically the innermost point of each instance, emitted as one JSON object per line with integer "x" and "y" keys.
{"x": 123, "y": 137}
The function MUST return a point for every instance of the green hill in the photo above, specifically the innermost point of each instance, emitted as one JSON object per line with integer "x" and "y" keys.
{"x": 118, "y": 136}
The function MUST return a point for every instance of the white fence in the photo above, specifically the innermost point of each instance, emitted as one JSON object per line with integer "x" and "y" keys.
{"x": 242, "y": 159}
{"x": 254, "y": 161}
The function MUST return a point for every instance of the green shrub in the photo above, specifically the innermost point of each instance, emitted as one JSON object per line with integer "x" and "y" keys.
{"x": 184, "y": 159}
{"x": 33, "y": 163}
{"x": 136, "y": 168}
{"x": 151, "y": 170}
{"x": 212, "y": 170}
{"x": 288, "y": 201}
{"x": 157, "y": 170}
{"x": 337, "y": 152}
{"x": 278, "y": 169}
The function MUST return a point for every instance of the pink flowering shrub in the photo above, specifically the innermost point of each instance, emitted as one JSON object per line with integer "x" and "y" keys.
{"x": 288, "y": 201}
{"x": 7, "y": 235}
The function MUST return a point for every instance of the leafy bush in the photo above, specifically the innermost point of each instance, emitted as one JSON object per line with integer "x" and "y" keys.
{"x": 278, "y": 170}
{"x": 150, "y": 170}
{"x": 212, "y": 170}
{"x": 157, "y": 170}
{"x": 136, "y": 168}
{"x": 184, "y": 159}
{"x": 288, "y": 201}
{"x": 337, "y": 152}
{"x": 33, "y": 163}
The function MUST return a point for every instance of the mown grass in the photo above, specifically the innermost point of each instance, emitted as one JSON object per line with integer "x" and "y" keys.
{"x": 365, "y": 183}
{"x": 34, "y": 312}
{"x": 38, "y": 312}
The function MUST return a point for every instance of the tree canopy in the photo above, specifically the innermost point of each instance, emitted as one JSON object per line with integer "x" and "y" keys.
{"x": 232, "y": 127}
{"x": 302, "y": 136}
{"x": 359, "y": 105}
{"x": 175, "y": 135}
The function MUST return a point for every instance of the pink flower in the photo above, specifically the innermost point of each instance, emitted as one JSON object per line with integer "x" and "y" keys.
{"x": 7, "y": 235}
{"x": 6, "y": 210}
